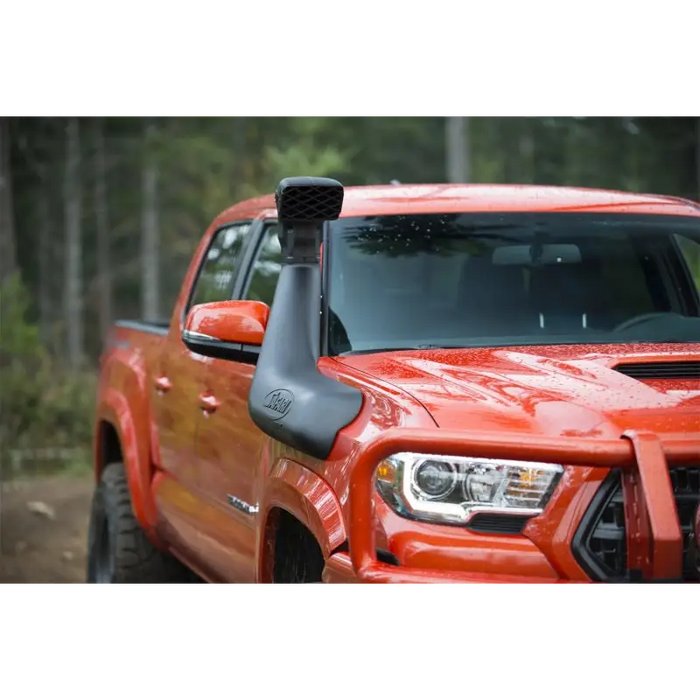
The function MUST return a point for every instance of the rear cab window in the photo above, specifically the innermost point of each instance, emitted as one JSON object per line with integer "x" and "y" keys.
{"x": 690, "y": 250}
{"x": 266, "y": 268}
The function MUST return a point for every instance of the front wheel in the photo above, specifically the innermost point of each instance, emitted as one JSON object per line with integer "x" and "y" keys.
{"x": 118, "y": 549}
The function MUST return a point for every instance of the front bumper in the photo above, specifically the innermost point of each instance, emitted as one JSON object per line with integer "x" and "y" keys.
{"x": 339, "y": 569}
{"x": 654, "y": 537}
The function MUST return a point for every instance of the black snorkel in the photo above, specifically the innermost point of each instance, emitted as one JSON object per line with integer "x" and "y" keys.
{"x": 290, "y": 400}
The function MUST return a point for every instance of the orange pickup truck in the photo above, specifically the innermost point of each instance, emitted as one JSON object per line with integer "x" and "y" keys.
{"x": 412, "y": 384}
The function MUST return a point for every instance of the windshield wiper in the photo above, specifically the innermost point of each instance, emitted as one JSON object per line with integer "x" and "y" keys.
{"x": 425, "y": 346}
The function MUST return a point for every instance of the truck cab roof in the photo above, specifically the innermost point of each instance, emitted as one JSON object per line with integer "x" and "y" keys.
{"x": 433, "y": 198}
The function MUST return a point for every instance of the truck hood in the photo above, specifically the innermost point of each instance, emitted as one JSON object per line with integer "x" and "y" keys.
{"x": 553, "y": 390}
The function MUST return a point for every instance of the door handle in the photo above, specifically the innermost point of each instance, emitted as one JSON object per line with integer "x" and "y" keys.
{"x": 208, "y": 403}
{"x": 162, "y": 384}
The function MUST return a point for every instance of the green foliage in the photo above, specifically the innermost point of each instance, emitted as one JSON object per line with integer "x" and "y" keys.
{"x": 206, "y": 165}
{"x": 19, "y": 340}
{"x": 41, "y": 405}
{"x": 308, "y": 147}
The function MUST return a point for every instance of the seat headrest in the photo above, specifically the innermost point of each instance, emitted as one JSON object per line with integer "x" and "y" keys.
{"x": 493, "y": 287}
{"x": 561, "y": 289}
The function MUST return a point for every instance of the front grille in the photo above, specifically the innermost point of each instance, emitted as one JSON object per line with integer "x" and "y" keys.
{"x": 600, "y": 544}
{"x": 498, "y": 524}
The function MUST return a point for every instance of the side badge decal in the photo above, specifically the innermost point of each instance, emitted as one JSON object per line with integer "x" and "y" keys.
{"x": 242, "y": 505}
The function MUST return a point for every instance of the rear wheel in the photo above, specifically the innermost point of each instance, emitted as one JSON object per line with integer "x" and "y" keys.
{"x": 118, "y": 549}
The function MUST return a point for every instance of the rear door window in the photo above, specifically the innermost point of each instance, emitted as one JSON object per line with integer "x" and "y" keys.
{"x": 266, "y": 268}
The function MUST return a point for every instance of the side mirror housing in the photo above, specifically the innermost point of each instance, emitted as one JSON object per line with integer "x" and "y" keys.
{"x": 227, "y": 330}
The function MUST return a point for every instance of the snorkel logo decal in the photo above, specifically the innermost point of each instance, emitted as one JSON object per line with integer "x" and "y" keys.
{"x": 278, "y": 403}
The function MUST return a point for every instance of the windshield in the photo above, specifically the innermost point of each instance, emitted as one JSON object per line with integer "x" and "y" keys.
{"x": 483, "y": 280}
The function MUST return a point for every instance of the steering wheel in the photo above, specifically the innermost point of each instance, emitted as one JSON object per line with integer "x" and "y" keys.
{"x": 642, "y": 318}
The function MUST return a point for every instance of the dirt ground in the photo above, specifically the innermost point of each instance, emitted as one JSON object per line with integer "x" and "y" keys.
{"x": 43, "y": 530}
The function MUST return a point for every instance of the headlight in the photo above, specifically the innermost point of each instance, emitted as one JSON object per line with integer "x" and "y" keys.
{"x": 450, "y": 489}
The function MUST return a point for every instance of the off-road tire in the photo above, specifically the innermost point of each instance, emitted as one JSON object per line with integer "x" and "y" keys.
{"x": 298, "y": 556}
{"x": 118, "y": 549}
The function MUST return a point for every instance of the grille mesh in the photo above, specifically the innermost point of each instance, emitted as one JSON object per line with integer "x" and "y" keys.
{"x": 602, "y": 541}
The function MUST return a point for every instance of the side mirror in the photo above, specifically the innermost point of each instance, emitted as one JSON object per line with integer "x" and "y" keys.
{"x": 227, "y": 330}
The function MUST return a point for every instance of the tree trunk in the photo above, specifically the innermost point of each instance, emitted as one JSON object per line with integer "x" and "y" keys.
{"x": 457, "y": 149}
{"x": 44, "y": 262}
{"x": 72, "y": 296}
{"x": 45, "y": 243}
{"x": 104, "y": 272}
{"x": 240, "y": 142}
{"x": 526, "y": 147}
{"x": 150, "y": 263}
{"x": 8, "y": 255}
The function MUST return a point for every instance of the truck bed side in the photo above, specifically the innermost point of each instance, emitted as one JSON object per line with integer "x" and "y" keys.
{"x": 123, "y": 420}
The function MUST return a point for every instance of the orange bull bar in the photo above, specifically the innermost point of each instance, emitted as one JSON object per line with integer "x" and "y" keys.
{"x": 654, "y": 538}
